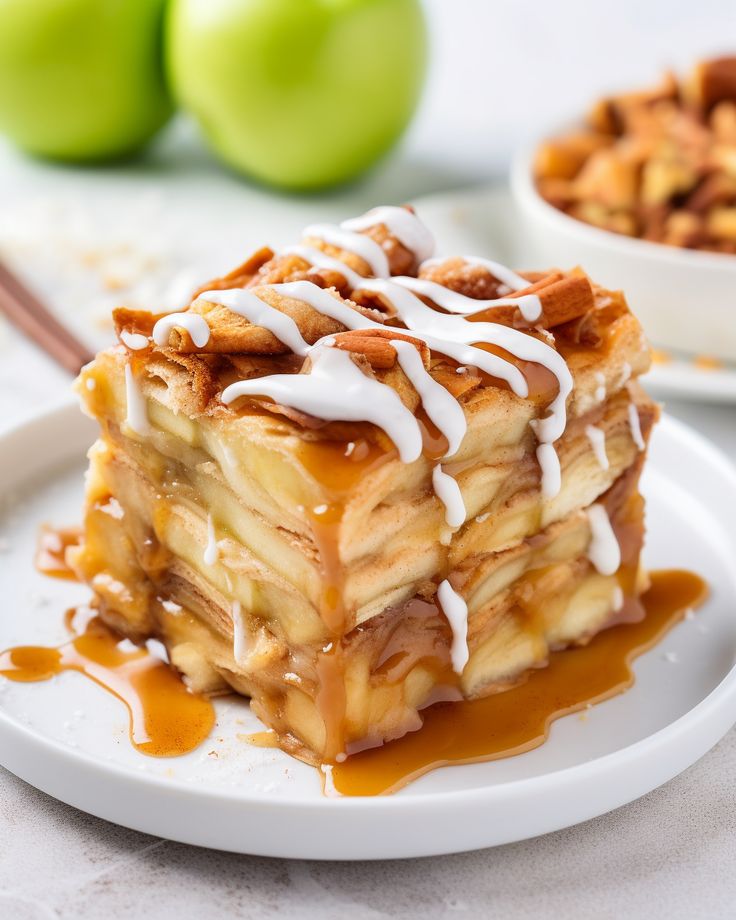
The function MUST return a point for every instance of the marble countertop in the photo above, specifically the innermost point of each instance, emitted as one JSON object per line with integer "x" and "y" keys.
{"x": 673, "y": 852}
{"x": 670, "y": 854}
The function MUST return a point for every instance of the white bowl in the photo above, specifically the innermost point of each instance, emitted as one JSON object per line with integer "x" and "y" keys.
{"x": 685, "y": 299}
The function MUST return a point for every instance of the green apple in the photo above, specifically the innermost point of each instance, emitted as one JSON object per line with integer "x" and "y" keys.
{"x": 298, "y": 93}
{"x": 81, "y": 79}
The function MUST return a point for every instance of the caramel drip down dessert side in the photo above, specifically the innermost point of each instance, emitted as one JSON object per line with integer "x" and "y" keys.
{"x": 353, "y": 480}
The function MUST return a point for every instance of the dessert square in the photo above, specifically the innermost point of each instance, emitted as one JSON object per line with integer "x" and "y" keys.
{"x": 352, "y": 480}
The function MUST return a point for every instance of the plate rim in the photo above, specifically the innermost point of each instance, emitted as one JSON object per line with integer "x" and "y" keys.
{"x": 713, "y": 715}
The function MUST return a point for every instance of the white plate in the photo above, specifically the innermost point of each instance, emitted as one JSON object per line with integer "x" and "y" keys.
{"x": 486, "y": 221}
{"x": 69, "y": 738}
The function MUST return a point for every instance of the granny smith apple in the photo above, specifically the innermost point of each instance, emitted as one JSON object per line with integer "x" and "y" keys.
{"x": 81, "y": 79}
{"x": 298, "y": 93}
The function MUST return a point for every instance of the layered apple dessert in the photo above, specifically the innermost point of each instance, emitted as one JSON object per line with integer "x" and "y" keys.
{"x": 352, "y": 480}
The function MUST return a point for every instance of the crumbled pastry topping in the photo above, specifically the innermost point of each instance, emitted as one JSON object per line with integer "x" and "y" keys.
{"x": 658, "y": 164}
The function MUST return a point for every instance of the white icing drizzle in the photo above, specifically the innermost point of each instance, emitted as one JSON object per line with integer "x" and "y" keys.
{"x": 456, "y": 611}
{"x": 133, "y": 340}
{"x": 603, "y": 549}
{"x": 319, "y": 259}
{"x": 211, "y": 552}
{"x": 327, "y": 304}
{"x": 401, "y": 223}
{"x": 330, "y": 789}
{"x": 618, "y": 598}
{"x": 530, "y": 306}
{"x": 171, "y": 607}
{"x": 549, "y": 463}
{"x": 597, "y": 438}
{"x": 449, "y": 335}
{"x": 358, "y": 243}
{"x": 439, "y": 404}
{"x": 448, "y": 492}
{"x": 443, "y": 333}
{"x": 501, "y": 272}
{"x": 635, "y": 426}
{"x": 414, "y": 313}
{"x": 239, "y": 638}
{"x": 195, "y": 325}
{"x": 250, "y": 306}
{"x": 136, "y": 413}
{"x": 335, "y": 389}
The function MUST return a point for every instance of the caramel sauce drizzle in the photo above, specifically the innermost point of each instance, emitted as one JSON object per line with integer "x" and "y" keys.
{"x": 338, "y": 468}
{"x": 166, "y": 718}
{"x": 519, "y": 719}
{"x": 266, "y": 739}
{"x": 434, "y": 444}
{"x": 542, "y": 383}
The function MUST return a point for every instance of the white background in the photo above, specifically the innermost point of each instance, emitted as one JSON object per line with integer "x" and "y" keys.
{"x": 506, "y": 70}
{"x": 502, "y": 73}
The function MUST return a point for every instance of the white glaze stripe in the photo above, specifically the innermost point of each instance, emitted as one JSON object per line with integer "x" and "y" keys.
{"x": 133, "y": 340}
{"x": 439, "y": 404}
{"x": 408, "y": 307}
{"x": 448, "y": 335}
{"x": 635, "y": 426}
{"x": 211, "y": 552}
{"x": 603, "y": 549}
{"x": 195, "y": 325}
{"x": 448, "y": 492}
{"x": 618, "y": 598}
{"x": 335, "y": 389}
{"x": 325, "y": 303}
{"x": 597, "y": 439}
{"x": 530, "y": 306}
{"x": 401, "y": 223}
{"x": 424, "y": 321}
{"x": 456, "y": 611}
{"x": 451, "y": 335}
{"x": 357, "y": 243}
{"x": 136, "y": 413}
{"x": 439, "y": 329}
{"x": 549, "y": 463}
{"x": 257, "y": 311}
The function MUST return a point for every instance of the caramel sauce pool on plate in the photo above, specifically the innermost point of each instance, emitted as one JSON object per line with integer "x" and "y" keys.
{"x": 519, "y": 719}
{"x": 166, "y": 719}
